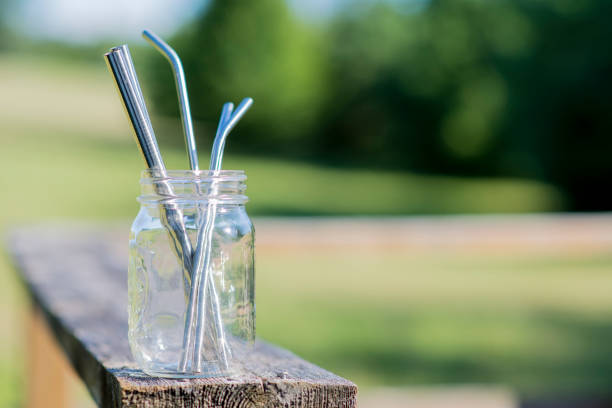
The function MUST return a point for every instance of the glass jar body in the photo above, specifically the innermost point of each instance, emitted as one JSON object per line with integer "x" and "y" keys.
{"x": 181, "y": 325}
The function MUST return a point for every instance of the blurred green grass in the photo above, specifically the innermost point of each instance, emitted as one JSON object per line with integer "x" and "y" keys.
{"x": 82, "y": 177}
{"x": 537, "y": 323}
{"x": 376, "y": 317}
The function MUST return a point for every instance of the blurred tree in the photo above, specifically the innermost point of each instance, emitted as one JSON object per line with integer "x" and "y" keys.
{"x": 559, "y": 127}
{"x": 470, "y": 87}
{"x": 255, "y": 49}
{"x": 369, "y": 113}
{"x": 429, "y": 80}
{"x": 4, "y": 32}
{"x": 514, "y": 88}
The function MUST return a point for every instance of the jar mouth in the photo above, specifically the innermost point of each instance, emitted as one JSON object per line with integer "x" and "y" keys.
{"x": 189, "y": 187}
{"x": 156, "y": 175}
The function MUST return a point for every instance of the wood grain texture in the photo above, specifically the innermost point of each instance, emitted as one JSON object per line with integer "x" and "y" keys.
{"x": 78, "y": 277}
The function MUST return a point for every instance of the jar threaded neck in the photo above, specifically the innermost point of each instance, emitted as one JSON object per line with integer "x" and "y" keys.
{"x": 196, "y": 187}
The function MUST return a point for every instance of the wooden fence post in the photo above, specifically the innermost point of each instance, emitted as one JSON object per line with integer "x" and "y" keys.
{"x": 47, "y": 367}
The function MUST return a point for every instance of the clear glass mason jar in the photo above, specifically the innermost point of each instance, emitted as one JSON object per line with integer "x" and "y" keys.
{"x": 191, "y": 276}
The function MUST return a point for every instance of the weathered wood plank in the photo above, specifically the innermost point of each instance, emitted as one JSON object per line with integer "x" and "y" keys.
{"x": 77, "y": 276}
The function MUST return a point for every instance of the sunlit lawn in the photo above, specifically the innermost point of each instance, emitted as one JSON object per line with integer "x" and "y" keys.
{"x": 539, "y": 323}
{"x": 379, "y": 317}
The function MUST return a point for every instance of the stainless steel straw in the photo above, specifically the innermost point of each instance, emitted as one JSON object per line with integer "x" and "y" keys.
{"x": 121, "y": 67}
{"x": 134, "y": 80}
{"x": 192, "y": 309}
{"x": 216, "y": 157}
{"x": 181, "y": 88}
{"x": 201, "y": 260}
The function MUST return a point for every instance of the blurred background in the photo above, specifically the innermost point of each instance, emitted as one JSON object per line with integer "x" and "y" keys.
{"x": 409, "y": 112}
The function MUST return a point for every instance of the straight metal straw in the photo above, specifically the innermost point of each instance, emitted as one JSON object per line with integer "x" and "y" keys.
{"x": 121, "y": 67}
{"x": 181, "y": 88}
{"x": 201, "y": 261}
{"x": 127, "y": 56}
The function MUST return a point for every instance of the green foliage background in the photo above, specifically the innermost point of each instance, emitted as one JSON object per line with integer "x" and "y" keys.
{"x": 468, "y": 87}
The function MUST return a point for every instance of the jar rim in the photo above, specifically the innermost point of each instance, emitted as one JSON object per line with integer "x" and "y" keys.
{"x": 188, "y": 186}
{"x": 192, "y": 175}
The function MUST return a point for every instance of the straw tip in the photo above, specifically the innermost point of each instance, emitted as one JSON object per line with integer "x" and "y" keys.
{"x": 117, "y": 48}
{"x": 246, "y": 103}
{"x": 151, "y": 36}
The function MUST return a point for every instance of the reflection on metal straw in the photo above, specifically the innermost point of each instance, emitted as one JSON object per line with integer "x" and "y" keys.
{"x": 134, "y": 80}
{"x": 181, "y": 88}
{"x": 226, "y": 114}
{"x": 121, "y": 67}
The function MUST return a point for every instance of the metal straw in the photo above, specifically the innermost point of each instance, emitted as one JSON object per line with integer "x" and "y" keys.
{"x": 201, "y": 260}
{"x": 134, "y": 80}
{"x": 181, "y": 88}
{"x": 206, "y": 232}
{"x": 216, "y": 157}
{"x": 121, "y": 67}
{"x": 192, "y": 310}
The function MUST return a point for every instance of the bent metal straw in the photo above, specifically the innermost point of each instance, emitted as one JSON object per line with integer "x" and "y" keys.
{"x": 181, "y": 88}
{"x": 201, "y": 261}
{"x": 193, "y": 309}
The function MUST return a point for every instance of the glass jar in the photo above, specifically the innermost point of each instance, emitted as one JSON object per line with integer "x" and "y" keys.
{"x": 191, "y": 276}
